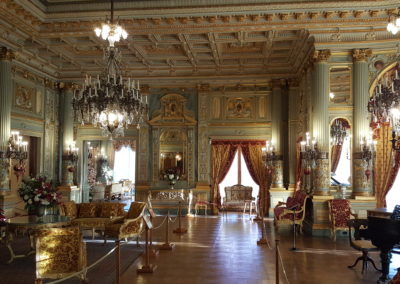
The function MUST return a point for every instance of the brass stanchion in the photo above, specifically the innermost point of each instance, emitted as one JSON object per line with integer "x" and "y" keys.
{"x": 180, "y": 230}
{"x": 117, "y": 261}
{"x": 263, "y": 240}
{"x": 167, "y": 245}
{"x": 277, "y": 261}
{"x": 38, "y": 281}
{"x": 153, "y": 252}
{"x": 147, "y": 267}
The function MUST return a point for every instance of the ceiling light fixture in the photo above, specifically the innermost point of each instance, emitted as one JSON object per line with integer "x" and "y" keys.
{"x": 394, "y": 23}
{"x": 111, "y": 31}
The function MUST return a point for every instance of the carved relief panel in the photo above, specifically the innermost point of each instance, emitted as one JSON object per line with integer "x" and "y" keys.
{"x": 27, "y": 99}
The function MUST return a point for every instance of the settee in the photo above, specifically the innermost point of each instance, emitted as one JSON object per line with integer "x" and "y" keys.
{"x": 94, "y": 215}
{"x": 236, "y": 197}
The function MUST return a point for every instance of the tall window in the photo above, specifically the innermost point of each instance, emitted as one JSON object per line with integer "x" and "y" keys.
{"x": 393, "y": 196}
{"x": 124, "y": 164}
{"x": 238, "y": 174}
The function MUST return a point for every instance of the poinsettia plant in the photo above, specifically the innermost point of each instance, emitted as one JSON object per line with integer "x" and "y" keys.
{"x": 38, "y": 192}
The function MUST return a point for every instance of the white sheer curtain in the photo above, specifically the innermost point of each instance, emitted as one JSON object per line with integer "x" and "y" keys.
{"x": 124, "y": 164}
{"x": 343, "y": 170}
{"x": 232, "y": 177}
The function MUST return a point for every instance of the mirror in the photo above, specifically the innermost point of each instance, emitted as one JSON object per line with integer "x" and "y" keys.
{"x": 172, "y": 153}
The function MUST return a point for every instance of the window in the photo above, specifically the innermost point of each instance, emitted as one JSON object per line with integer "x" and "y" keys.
{"x": 124, "y": 164}
{"x": 343, "y": 169}
{"x": 238, "y": 174}
{"x": 393, "y": 196}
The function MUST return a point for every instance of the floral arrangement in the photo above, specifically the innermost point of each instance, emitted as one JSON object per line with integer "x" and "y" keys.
{"x": 172, "y": 174}
{"x": 38, "y": 192}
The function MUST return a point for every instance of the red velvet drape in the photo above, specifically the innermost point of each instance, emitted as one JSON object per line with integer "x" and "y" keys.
{"x": 336, "y": 151}
{"x": 299, "y": 170}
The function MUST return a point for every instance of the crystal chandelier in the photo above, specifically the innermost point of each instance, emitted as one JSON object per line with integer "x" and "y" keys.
{"x": 339, "y": 131}
{"x": 109, "y": 101}
{"x": 393, "y": 25}
{"x": 384, "y": 106}
{"x": 111, "y": 31}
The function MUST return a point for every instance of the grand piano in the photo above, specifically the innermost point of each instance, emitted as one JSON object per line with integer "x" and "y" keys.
{"x": 384, "y": 234}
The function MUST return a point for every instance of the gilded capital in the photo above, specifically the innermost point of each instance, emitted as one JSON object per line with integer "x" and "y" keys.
{"x": 6, "y": 53}
{"x": 278, "y": 83}
{"x": 361, "y": 54}
{"x": 321, "y": 55}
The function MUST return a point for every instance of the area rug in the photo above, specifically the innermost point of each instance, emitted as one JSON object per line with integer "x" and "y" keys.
{"x": 22, "y": 270}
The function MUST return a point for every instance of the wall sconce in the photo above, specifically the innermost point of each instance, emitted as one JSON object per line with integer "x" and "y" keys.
{"x": 269, "y": 154}
{"x": 72, "y": 152}
{"x": 367, "y": 147}
{"x": 17, "y": 149}
{"x": 308, "y": 152}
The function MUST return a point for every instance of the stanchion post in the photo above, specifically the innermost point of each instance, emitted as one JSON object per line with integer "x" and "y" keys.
{"x": 147, "y": 267}
{"x": 152, "y": 251}
{"x": 263, "y": 240}
{"x": 294, "y": 230}
{"x": 277, "y": 261}
{"x": 167, "y": 245}
{"x": 38, "y": 281}
{"x": 180, "y": 230}
{"x": 117, "y": 262}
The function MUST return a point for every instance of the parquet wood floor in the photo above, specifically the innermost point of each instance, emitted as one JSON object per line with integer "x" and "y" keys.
{"x": 224, "y": 250}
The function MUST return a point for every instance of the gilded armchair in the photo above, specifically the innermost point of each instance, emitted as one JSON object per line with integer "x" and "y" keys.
{"x": 283, "y": 211}
{"x": 60, "y": 252}
{"x": 339, "y": 215}
{"x": 129, "y": 227}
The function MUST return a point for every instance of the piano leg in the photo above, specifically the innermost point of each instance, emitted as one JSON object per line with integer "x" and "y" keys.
{"x": 386, "y": 256}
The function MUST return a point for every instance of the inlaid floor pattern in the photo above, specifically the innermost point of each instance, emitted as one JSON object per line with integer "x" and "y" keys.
{"x": 224, "y": 250}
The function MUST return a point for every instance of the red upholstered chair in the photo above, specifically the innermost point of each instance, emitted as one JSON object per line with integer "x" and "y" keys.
{"x": 339, "y": 215}
{"x": 283, "y": 211}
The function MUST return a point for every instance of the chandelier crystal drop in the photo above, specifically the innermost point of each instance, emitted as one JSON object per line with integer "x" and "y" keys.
{"x": 111, "y": 31}
{"x": 110, "y": 102}
{"x": 393, "y": 25}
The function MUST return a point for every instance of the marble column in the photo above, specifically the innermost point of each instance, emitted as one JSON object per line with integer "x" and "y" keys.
{"x": 6, "y": 90}
{"x": 68, "y": 166}
{"x": 320, "y": 122}
{"x": 361, "y": 183}
{"x": 277, "y": 133}
{"x": 293, "y": 124}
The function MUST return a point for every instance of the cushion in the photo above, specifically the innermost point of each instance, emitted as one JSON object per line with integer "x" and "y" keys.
{"x": 108, "y": 210}
{"x": 87, "y": 210}
{"x": 135, "y": 209}
{"x": 70, "y": 209}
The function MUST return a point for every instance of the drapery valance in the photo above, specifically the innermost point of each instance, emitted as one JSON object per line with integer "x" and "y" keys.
{"x": 118, "y": 144}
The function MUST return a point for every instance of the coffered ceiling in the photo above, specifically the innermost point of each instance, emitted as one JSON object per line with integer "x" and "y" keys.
{"x": 173, "y": 41}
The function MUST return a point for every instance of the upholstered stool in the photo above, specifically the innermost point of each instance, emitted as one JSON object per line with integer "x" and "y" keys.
{"x": 201, "y": 205}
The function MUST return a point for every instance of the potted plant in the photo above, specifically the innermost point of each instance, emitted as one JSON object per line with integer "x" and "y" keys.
{"x": 38, "y": 194}
{"x": 172, "y": 175}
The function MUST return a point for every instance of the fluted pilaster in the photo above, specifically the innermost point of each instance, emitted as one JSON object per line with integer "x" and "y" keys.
{"x": 6, "y": 90}
{"x": 68, "y": 133}
{"x": 361, "y": 184}
{"x": 293, "y": 121}
{"x": 320, "y": 121}
{"x": 277, "y": 132}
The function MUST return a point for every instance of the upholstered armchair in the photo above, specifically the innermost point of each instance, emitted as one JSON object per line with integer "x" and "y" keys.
{"x": 129, "y": 227}
{"x": 339, "y": 214}
{"x": 60, "y": 252}
{"x": 283, "y": 211}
